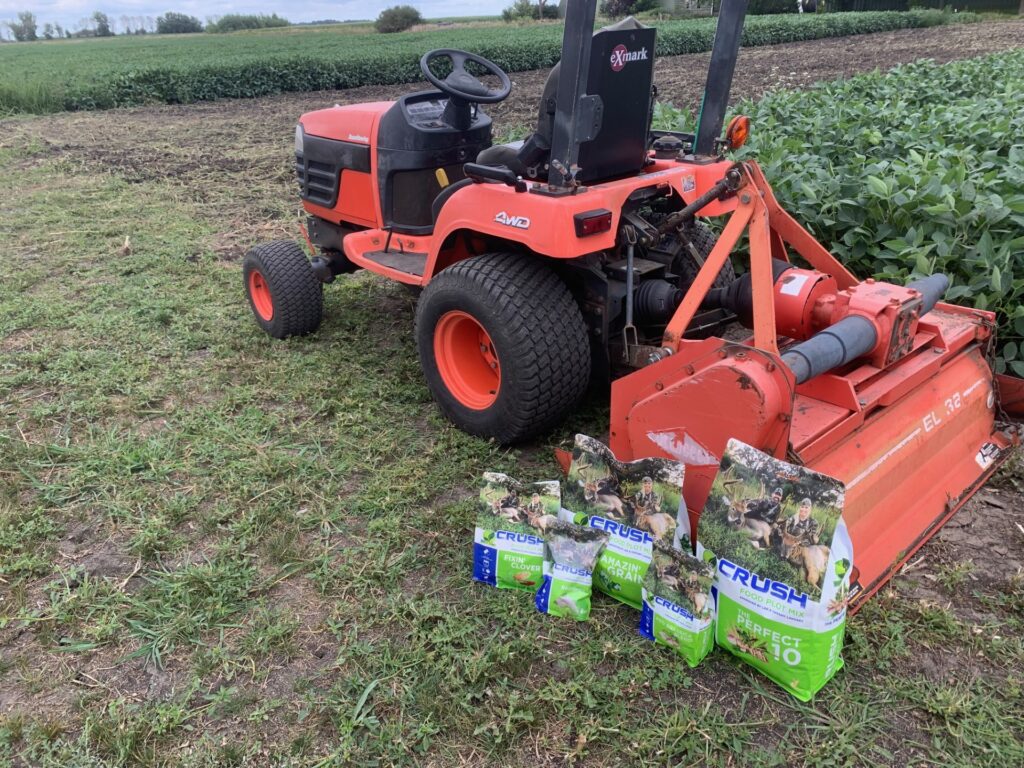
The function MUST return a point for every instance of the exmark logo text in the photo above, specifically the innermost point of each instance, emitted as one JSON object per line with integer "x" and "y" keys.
{"x": 620, "y": 530}
{"x": 621, "y": 56}
{"x": 519, "y": 222}
{"x": 776, "y": 589}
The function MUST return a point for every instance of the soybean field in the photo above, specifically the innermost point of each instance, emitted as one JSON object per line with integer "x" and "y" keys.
{"x": 175, "y": 69}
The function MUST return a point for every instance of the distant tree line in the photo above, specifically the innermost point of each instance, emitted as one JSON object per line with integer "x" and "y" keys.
{"x": 99, "y": 24}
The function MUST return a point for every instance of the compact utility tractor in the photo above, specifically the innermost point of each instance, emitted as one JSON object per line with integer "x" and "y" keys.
{"x": 579, "y": 255}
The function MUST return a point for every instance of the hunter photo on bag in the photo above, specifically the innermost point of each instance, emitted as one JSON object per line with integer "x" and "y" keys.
{"x": 776, "y": 518}
{"x": 641, "y": 494}
{"x": 509, "y": 505}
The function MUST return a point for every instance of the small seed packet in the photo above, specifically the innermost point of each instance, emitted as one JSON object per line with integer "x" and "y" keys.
{"x": 677, "y": 607}
{"x": 570, "y": 555}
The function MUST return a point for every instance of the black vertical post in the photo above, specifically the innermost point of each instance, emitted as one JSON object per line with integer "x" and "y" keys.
{"x": 572, "y": 86}
{"x": 723, "y": 64}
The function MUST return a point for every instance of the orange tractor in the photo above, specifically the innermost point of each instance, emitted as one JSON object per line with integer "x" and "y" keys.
{"x": 579, "y": 255}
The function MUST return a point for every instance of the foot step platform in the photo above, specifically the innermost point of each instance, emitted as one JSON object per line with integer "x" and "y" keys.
{"x": 410, "y": 262}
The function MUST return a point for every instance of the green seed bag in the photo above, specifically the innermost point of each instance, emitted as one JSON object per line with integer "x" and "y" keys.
{"x": 508, "y": 546}
{"x": 570, "y": 554}
{"x": 782, "y": 567}
{"x": 677, "y": 606}
{"x": 636, "y": 503}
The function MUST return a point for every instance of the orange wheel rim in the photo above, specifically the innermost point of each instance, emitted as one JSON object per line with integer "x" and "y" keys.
{"x": 467, "y": 360}
{"x": 260, "y": 294}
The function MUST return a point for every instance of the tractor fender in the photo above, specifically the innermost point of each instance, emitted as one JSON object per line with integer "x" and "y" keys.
{"x": 542, "y": 224}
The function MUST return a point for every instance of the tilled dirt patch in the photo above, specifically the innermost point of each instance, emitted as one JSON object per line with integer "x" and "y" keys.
{"x": 236, "y": 154}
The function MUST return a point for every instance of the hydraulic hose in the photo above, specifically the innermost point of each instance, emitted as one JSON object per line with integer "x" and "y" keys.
{"x": 931, "y": 288}
{"x": 852, "y": 337}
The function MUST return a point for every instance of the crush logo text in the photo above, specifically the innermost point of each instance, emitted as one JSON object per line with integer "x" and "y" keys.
{"x": 669, "y": 605}
{"x": 519, "y": 538}
{"x": 776, "y": 589}
{"x": 620, "y": 530}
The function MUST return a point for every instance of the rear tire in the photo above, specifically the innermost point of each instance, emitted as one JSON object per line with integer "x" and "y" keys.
{"x": 285, "y": 296}
{"x": 687, "y": 267}
{"x": 503, "y": 346}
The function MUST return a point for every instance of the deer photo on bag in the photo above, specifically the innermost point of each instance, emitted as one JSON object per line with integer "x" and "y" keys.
{"x": 508, "y": 545}
{"x": 782, "y": 566}
{"x": 677, "y": 606}
{"x": 636, "y": 503}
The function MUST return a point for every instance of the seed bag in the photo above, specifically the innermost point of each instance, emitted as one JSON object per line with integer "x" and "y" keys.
{"x": 570, "y": 554}
{"x": 677, "y": 606}
{"x": 636, "y": 503}
{"x": 508, "y": 546}
{"x": 782, "y": 559}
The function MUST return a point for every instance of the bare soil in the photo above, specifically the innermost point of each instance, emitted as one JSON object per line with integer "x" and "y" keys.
{"x": 243, "y": 145}
{"x": 234, "y": 156}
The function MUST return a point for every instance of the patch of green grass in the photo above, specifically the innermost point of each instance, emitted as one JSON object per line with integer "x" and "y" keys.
{"x": 953, "y": 576}
{"x": 976, "y": 722}
{"x": 219, "y": 549}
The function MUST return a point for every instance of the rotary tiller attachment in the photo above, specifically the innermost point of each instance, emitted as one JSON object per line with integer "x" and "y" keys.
{"x": 878, "y": 385}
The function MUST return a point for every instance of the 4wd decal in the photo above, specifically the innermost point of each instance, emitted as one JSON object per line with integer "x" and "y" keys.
{"x": 520, "y": 222}
{"x": 621, "y": 56}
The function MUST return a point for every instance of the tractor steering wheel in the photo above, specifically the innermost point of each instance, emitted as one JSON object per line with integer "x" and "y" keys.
{"x": 460, "y": 84}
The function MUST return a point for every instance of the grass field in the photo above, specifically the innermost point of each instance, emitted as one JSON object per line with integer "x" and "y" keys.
{"x": 123, "y": 71}
{"x": 216, "y": 549}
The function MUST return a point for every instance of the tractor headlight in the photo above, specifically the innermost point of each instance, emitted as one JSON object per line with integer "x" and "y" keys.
{"x": 298, "y": 139}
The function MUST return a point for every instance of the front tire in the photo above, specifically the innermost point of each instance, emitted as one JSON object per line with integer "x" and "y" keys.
{"x": 503, "y": 346}
{"x": 284, "y": 294}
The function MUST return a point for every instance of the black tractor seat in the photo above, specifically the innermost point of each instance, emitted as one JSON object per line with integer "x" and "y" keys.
{"x": 506, "y": 155}
{"x": 622, "y": 73}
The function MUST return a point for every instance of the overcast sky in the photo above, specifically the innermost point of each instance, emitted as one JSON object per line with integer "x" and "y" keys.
{"x": 69, "y": 12}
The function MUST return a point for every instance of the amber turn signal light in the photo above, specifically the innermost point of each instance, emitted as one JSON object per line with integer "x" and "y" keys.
{"x": 737, "y": 132}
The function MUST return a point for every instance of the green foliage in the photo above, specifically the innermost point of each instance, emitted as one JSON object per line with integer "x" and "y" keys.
{"x": 102, "y": 22}
{"x": 870, "y": 5}
{"x": 765, "y": 7}
{"x": 911, "y": 173}
{"x": 24, "y": 29}
{"x": 397, "y": 19}
{"x": 233, "y": 22}
{"x": 977, "y": 6}
{"x": 619, "y": 8}
{"x": 127, "y": 71}
{"x": 524, "y": 9}
{"x": 177, "y": 24}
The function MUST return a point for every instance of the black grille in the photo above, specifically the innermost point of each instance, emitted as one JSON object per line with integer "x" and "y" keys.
{"x": 320, "y": 163}
{"x": 318, "y": 182}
